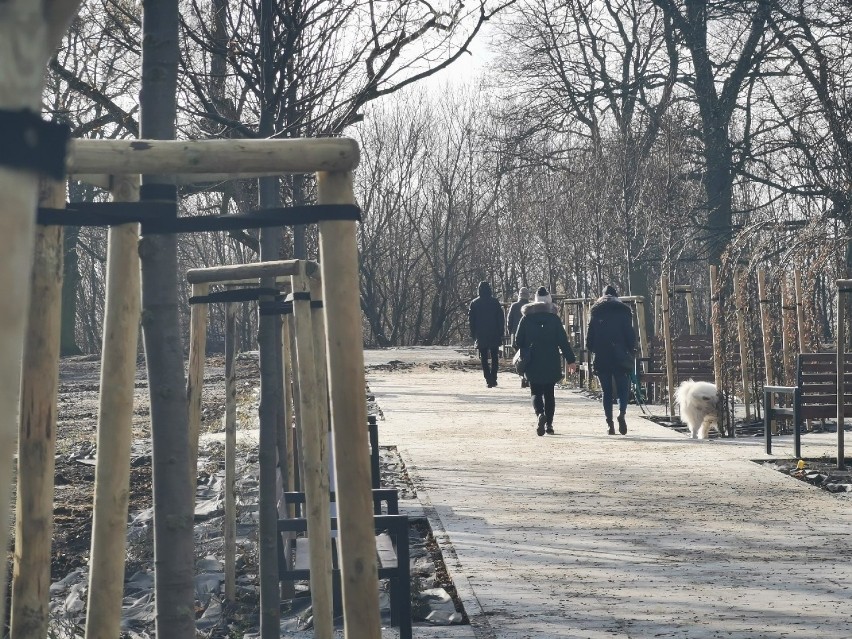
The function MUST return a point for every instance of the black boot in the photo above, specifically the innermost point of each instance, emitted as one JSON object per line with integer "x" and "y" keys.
{"x": 622, "y": 424}
{"x": 611, "y": 427}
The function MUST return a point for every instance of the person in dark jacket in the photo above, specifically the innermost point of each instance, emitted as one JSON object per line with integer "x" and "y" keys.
{"x": 487, "y": 324}
{"x": 514, "y": 318}
{"x": 611, "y": 338}
{"x": 542, "y": 332}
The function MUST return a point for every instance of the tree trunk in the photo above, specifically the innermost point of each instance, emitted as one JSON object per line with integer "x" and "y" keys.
{"x": 271, "y": 384}
{"x": 174, "y": 550}
{"x": 70, "y": 284}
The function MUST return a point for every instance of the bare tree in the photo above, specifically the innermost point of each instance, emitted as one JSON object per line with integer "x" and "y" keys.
{"x": 726, "y": 42}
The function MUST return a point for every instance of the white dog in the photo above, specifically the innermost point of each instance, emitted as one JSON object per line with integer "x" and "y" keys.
{"x": 697, "y": 402}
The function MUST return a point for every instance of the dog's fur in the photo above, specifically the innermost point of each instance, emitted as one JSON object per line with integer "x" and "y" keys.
{"x": 697, "y": 402}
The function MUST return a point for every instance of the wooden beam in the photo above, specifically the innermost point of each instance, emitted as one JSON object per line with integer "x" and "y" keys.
{"x": 841, "y": 370}
{"x": 800, "y": 310}
{"x": 739, "y": 307}
{"x": 230, "y": 452}
{"x": 316, "y": 480}
{"x": 788, "y": 337}
{"x": 115, "y": 422}
{"x": 37, "y": 433}
{"x": 716, "y": 325}
{"x": 339, "y": 264}
{"x": 195, "y": 377}
{"x": 667, "y": 336}
{"x": 642, "y": 323}
{"x": 234, "y": 274}
{"x": 236, "y": 157}
{"x": 766, "y": 329}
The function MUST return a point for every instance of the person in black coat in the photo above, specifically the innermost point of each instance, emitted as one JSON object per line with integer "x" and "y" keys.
{"x": 514, "y": 318}
{"x": 611, "y": 338}
{"x": 542, "y": 332}
{"x": 487, "y": 324}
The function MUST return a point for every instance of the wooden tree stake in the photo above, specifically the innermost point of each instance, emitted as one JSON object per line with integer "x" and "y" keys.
{"x": 195, "y": 377}
{"x": 718, "y": 346}
{"x": 667, "y": 336}
{"x": 843, "y": 286}
{"x": 37, "y": 435}
{"x": 739, "y": 302}
{"x": 788, "y": 319}
{"x": 766, "y": 329}
{"x": 690, "y": 311}
{"x": 230, "y": 451}
{"x": 115, "y": 422}
{"x": 316, "y": 480}
{"x": 339, "y": 263}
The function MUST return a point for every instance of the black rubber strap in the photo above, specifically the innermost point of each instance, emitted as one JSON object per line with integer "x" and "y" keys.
{"x": 158, "y": 215}
{"x": 275, "y": 308}
{"x": 166, "y": 192}
{"x": 302, "y": 296}
{"x": 104, "y": 213}
{"x": 31, "y": 143}
{"x": 260, "y": 218}
{"x": 316, "y": 303}
{"x": 235, "y": 295}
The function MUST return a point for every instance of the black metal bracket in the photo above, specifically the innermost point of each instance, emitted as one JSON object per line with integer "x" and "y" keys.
{"x": 30, "y": 143}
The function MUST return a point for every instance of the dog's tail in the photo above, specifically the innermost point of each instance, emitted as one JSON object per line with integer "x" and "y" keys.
{"x": 682, "y": 391}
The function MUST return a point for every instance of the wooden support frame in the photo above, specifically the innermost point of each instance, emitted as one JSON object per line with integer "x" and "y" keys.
{"x": 115, "y": 422}
{"x": 334, "y": 158}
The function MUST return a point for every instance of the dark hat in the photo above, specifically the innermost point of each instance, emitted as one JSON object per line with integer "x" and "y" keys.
{"x": 541, "y": 295}
{"x": 610, "y": 290}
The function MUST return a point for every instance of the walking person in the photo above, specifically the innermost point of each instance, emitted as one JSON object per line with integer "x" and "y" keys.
{"x": 611, "y": 338}
{"x": 487, "y": 326}
{"x": 514, "y": 318}
{"x": 541, "y": 330}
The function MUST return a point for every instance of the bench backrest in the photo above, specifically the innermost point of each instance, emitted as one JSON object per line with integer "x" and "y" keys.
{"x": 693, "y": 357}
{"x": 816, "y": 377}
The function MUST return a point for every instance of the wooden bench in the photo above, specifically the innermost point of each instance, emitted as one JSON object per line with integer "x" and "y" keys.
{"x": 813, "y": 397}
{"x": 392, "y": 553}
{"x": 693, "y": 359}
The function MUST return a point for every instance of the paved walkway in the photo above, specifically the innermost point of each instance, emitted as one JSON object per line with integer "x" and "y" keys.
{"x": 585, "y": 535}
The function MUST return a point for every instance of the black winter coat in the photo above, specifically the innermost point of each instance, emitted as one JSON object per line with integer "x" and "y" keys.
{"x": 542, "y": 332}
{"x": 610, "y": 335}
{"x": 486, "y": 319}
{"x": 514, "y": 317}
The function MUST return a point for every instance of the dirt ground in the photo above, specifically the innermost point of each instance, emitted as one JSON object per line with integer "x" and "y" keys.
{"x": 76, "y": 453}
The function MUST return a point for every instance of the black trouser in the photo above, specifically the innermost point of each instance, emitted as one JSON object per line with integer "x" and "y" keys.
{"x": 544, "y": 400}
{"x": 490, "y": 372}
{"x": 622, "y": 389}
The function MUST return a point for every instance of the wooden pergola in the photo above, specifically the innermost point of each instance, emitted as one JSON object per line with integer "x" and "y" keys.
{"x": 118, "y": 165}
